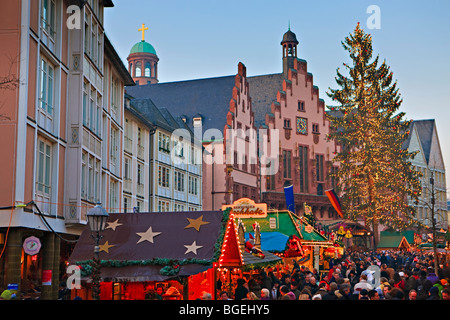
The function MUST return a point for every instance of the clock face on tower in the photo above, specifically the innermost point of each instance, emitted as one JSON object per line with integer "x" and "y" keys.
{"x": 302, "y": 126}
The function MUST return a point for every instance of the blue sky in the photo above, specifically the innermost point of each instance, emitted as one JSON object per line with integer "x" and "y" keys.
{"x": 208, "y": 38}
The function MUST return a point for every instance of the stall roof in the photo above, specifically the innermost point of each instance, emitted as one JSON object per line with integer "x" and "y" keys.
{"x": 287, "y": 223}
{"x": 154, "y": 246}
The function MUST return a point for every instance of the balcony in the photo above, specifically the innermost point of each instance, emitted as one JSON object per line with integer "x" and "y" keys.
{"x": 141, "y": 152}
{"x": 127, "y": 185}
{"x": 140, "y": 189}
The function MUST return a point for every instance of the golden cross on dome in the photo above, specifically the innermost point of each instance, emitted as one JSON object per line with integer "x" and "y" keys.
{"x": 143, "y": 31}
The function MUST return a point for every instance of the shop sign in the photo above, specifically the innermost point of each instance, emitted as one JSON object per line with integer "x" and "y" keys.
{"x": 247, "y": 208}
{"x": 31, "y": 245}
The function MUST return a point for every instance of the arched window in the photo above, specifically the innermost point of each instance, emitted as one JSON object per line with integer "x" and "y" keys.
{"x": 130, "y": 69}
{"x": 138, "y": 69}
{"x": 147, "y": 69}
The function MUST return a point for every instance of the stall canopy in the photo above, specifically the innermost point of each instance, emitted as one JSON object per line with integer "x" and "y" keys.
{"x": 154, "y": 246}
{"x": 396, "y": 240}
{"x": 277, "y": 226}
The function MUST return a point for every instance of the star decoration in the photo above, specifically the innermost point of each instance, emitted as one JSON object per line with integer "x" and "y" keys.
{"x": 192, "y": 248}
{"x": 114, "y": 225}
{"x": 196, "y": 223}
{"x": 147, "y": 236}
{"x": 105, "y": 247}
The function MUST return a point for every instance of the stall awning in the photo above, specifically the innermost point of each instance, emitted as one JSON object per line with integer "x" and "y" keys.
{"x": 272, "y": 241}
{"x": 154, "y": 246}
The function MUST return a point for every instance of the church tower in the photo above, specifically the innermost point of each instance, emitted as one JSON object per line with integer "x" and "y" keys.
{"x": 289, "y": 44}
{"x": 143, "y": 61}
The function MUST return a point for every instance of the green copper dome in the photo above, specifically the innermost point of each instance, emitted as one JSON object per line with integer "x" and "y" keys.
{"x": 143, "y": 46}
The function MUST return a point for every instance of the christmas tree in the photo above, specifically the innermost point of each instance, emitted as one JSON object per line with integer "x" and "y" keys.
{"x": 375, "y": 175}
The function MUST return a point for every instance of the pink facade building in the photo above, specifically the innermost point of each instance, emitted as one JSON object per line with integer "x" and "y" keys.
{"x": 62, "y": 132}
{"x": 289, "y": 103}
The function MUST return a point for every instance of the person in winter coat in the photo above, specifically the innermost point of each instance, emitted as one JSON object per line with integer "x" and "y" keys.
{"x": 434, "y": 294}
{"x": 399, "y": 282}
{"x": 432, "y": 276}
{"x": 331, "y": 294}
{"x": 240, "y": 291}
{"x": 410, "y": 282}
{"x": 362, "y": 284}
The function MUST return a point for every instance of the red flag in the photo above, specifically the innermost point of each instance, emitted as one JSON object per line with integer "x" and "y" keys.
{"x": 334, "y": 201}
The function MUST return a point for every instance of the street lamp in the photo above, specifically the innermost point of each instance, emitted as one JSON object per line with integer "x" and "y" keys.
{"x": 97, "y": 218}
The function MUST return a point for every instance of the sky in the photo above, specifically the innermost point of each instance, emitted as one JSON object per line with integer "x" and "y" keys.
{"x": 208, "y": 38}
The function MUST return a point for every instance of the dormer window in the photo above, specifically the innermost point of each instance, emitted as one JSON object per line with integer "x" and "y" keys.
{"x": 197, "y": 122}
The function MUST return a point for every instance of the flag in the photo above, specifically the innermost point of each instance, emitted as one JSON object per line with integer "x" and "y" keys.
{"x": 334, "y": 201}
{"x": 289, "y": 195}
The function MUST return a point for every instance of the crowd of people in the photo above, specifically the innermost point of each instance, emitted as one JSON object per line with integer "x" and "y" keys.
{"x": 397, "y": 276}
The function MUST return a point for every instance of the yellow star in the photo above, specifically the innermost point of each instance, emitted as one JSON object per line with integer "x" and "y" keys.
{"x": 114, "y": 225}
{"x": 147, "y": 235}
{"x": 196, "y": 223}
{"x": 105, "y": 247}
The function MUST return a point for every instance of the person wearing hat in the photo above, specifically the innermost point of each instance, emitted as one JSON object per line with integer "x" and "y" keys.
{"x": 434, "y": 294}
{"x": 441, "y": 285}
{"x": 399, "y": 281}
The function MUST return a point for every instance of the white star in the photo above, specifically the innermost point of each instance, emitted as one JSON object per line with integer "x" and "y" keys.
{"x": 114, "y": 225}
{"x": 148, "y": 235}
{"x": 192, "y": 248}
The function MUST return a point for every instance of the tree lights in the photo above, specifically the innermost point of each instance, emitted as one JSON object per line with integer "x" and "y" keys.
{"x": 376, "y": 178}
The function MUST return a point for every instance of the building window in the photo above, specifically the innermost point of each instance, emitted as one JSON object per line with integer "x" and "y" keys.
{"x": 140, "y": 173}
{"x": 270, "y": 182}
{"x": 236, "y": 192}
{"x": 179, "y": 181}
{"x": 90, "y": 178}
{"x": 115, "y": 98}
{"x": 334, "y": 178}
{"x": 44, "y": 165}
{"x": 315, "y": 128}
{"x": 163, "y": 142}
{"x": 147, "y": 69}
{"x": 113, "y": 205}
{"x": 193, "y": 185}
{"x": 46, "y": 94}
{"x": 287, "y": 123}
{"x": 126, "y": 204}
{"x": 163, "y": 177}
{"x": 301, "y": 106}
{"x": 163, "y": 206}
{"x": 48, "y": 17}
{"x": 138, "y": 71}
{"x": 287, "y": 164}
{"x": 303, "y": 168}
{"x": 319, "y": 167}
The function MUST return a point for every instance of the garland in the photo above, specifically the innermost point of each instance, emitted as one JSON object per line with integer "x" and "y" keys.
{"x": 171, "y": 267}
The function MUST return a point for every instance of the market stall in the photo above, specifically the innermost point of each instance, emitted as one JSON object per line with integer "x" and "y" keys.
{"x": 285, "y": 234}
{"x": 396, "y": 240}
{"x": 166, "y": 255}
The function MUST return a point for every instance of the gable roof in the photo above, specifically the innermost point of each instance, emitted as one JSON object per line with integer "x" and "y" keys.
{"x": 263, "y": 90}
{"x": 425, "y": 130}
{"x": 208, "y": 97}
{"x": 159, "y": 117}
